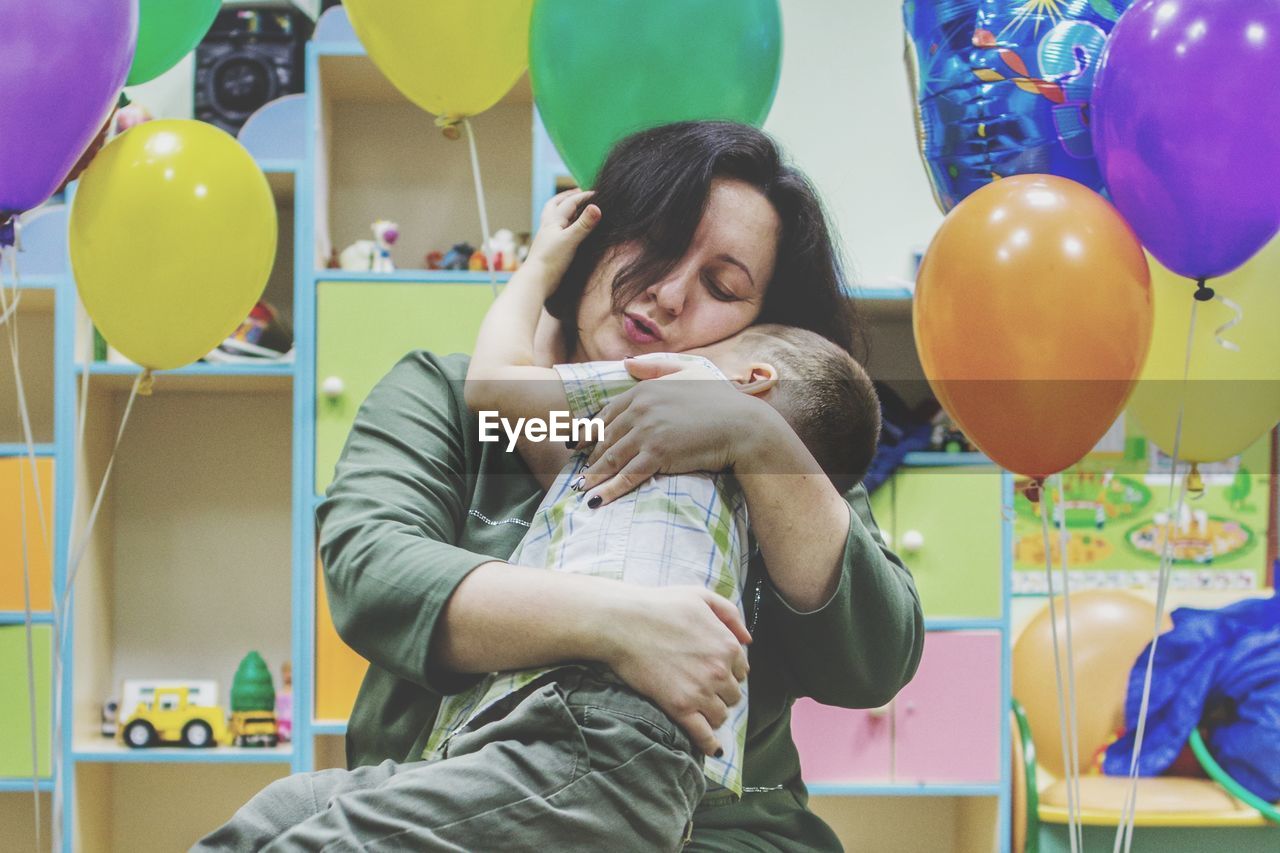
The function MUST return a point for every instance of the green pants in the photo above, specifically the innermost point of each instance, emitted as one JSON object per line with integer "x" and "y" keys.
{"x": 576, "y": 764}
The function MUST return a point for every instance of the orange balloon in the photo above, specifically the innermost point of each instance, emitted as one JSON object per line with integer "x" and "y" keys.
{"x": 1032, "y": 318}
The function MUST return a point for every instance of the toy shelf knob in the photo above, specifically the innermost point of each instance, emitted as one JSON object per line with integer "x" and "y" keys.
{"x": 912, "y": 541}
{"x": 333, "y": 387}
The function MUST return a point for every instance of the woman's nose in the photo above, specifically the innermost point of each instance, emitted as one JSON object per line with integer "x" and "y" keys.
{"x": 671, "y": 293}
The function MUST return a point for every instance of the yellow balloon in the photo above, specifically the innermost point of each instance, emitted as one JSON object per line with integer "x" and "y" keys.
{"x": 1231, "y": 398}
{"x": 453, "y": 58}
{"x": 173, "y": 234}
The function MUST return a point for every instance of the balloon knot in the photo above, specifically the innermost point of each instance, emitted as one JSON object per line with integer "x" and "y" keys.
{"x": 1203, "y": 292}
{"x": 146, "y": 383}
{"x": 8, "y": 235}
{"x": 1031, "y": 489}
{"x": 449, "y": 126}
{"x": 1195, "y": 484}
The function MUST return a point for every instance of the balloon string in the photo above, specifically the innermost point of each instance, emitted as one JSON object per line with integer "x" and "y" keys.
{"x": 1073, "y": 778}
{"x": 484, "y": 210}
{"x": 1234, "y": 308}
{"x": 1204, "y": 293}
{"x": 11, "y": 308}
{"x": 8, "y": 248}
{"x": 82, "y": 545}
{"x": 1057, "y": 672}
{"x": 60, "y": 621}
{"x": 1125, "y": 827}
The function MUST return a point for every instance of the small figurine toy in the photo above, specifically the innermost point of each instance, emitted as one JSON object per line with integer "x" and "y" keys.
{"x": 372, "y": 255}
{"x": 458, "y": 257}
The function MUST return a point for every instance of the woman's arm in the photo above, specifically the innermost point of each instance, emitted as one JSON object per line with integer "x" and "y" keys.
{"x": 390, "y": 518}
{"x": 844, "y": 608}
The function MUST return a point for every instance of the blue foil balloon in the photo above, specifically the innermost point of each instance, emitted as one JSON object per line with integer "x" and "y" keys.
{"x": 1002, "y": 88}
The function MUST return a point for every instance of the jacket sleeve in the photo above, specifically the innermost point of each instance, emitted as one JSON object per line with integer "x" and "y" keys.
{"x": 864, "y": 644}
{"x": 387, "y": 524}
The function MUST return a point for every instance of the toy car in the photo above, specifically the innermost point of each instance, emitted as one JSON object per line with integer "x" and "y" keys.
{"x": 255, "y": 728}
{"x": 171, "y": 719}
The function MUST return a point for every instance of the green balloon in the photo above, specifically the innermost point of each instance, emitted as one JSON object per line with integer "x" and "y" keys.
{"x": 167, "y": 31}
{"x": 603, "y": 69}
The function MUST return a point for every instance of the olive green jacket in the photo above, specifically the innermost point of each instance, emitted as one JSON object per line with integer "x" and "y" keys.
{"x": 418, "y": 501}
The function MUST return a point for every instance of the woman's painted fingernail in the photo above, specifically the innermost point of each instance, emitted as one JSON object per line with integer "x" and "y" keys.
{"x": 720, "y": 752}
{"x": 595, "y": 501}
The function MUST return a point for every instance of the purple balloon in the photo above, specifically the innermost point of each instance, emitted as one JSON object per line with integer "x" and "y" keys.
{"x": 1186, "y": 125}
{"x": 64, "y": 64}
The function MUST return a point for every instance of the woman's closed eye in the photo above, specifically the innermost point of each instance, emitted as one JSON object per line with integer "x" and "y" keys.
{"x": 718, "y": 290}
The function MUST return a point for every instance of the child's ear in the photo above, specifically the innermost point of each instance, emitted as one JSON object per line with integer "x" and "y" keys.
{"x": 761, "y": 377}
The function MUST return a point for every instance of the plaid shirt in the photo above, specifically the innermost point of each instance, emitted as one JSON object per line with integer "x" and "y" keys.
{"x": 672, "y": 530}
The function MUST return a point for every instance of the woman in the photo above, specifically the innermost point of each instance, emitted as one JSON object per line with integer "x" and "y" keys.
{"x": 704, "y": 232}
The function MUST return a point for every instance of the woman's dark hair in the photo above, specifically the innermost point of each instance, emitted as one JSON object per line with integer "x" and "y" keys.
{"x": 653, "y": 189}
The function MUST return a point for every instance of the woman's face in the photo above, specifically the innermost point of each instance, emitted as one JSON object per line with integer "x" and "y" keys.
{"x": 714, "y": 291}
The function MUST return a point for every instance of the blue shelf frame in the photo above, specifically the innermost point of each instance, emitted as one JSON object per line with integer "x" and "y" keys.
{"x": 409, "y": 276}
{"x": 179, "y": 755}
{"x": 881, "y": 294}
{"x": 903, "y": 789}
{"x": 22, "y": 785}
{"x": 8, "y": 451}
{"x": 929, "y": 459}
{"x": 280, "y": 165}
{"x": 40, "y": 281}
{"x": 18, "y": 617}
{"x": 963, "y": 624}
{"x": 102, "y": 368}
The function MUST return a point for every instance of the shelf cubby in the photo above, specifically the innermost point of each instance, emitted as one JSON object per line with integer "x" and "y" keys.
{"x": 189, "y": 565}
{"x": 160, "y": 806}
{"x": 381, "y": 157}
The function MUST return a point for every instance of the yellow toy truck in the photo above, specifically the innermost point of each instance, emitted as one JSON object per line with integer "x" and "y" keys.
{"x": 254, "y": 728}
{"x": 170, "y": 719}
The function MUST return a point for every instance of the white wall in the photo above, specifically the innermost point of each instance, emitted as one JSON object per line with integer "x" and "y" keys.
{"x": 171, "y": 95}
{"x": 844, "y": 113}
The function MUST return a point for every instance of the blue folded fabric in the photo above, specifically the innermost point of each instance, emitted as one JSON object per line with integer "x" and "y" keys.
{"x": 889, "y": 456}
{"x": 1220, "y": 668}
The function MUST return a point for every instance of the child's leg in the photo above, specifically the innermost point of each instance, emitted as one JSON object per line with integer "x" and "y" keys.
{"x": 577, "y": 765}
{"x": 287, "y": 802}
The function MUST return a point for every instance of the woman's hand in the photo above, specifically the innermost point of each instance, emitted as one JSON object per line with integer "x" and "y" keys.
{"x": 680, "y": 646}
{"x": 678, "y": 421}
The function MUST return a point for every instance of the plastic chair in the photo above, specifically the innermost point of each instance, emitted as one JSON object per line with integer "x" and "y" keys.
{"x": 1109, "y": 630}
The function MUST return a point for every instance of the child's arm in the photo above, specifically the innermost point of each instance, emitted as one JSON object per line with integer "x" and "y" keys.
{"x": 504, "y": 374}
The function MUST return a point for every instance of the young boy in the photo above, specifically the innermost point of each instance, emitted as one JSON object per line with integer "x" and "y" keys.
{"x": 684, "y": 529}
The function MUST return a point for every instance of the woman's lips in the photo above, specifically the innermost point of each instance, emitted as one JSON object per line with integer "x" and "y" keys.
{"x": 639, "y": 332}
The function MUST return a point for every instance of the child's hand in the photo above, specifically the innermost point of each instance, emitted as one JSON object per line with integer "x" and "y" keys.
{"x": 560, "y": 234}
